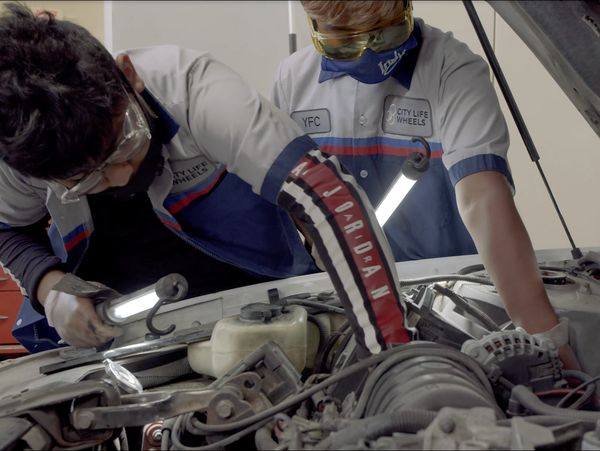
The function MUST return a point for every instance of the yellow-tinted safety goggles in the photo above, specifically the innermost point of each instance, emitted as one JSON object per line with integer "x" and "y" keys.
{"x": 349, "y": 46}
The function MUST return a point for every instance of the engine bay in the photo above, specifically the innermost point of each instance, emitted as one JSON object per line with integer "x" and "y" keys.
{"x": 282, "y": 370}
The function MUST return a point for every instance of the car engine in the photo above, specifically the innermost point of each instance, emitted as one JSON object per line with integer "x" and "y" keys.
{"x": 284, "y": 372}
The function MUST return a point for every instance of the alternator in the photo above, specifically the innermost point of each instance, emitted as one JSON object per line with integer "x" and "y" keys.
{"x": 519, "y": 358}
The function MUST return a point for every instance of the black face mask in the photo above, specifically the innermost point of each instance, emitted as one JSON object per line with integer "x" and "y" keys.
{"x": 149, "y": 168}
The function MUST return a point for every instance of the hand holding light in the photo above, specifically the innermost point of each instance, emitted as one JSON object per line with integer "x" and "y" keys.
{"x": 76, "y": 321}
{"x": 170, "y": 288}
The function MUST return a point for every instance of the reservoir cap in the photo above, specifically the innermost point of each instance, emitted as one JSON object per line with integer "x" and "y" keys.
{"x": 259, "y": 312}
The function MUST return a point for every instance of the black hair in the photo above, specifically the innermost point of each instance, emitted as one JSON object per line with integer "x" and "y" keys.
{"x": 60, "y": 92}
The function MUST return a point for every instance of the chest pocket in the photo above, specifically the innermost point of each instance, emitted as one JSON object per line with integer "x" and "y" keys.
{"x": 407, "y": 116}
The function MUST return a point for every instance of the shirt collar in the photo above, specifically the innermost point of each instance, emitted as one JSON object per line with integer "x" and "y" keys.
{"x": 403, "y": 72}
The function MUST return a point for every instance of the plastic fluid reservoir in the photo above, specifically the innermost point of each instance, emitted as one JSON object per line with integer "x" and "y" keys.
{"x": 236, "y": 337}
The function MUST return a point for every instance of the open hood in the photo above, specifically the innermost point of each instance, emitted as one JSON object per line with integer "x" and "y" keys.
{"x": 565, "y": 37}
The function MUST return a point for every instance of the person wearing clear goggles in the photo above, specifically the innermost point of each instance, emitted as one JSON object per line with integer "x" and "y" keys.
{"x": 167, "y": 162}
{"x": 120, "y": 164}
{"x": 374, "y": 84}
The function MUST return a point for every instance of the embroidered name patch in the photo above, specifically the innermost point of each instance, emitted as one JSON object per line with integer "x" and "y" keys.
{"x": 313, "y": 121}
{"x": 406, "y": 116}
{"x": 189, "y": 173}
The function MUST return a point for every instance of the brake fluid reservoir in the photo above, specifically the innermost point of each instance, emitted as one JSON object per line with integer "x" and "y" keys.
{"x": 236, "y": 337}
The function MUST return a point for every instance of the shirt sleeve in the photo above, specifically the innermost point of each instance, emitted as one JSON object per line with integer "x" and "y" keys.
{"x": 25, "y": 251}
{"x": 236, "y": 126}
{"x": 278, "y": 96}
{"x": 473, "y": 130}
{"x": 26, "y": 256}
{"x": 337, "y": 214}
{"x": 22, "y": 203}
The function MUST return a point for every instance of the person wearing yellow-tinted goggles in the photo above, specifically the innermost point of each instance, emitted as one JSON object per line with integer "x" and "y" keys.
{"x": 359, "y": 42}
{"x": 375, "y": 82}
{"x": 351, "y": 42}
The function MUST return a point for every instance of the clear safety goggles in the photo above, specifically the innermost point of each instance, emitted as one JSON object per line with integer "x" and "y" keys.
{"x": 351, "y": 45}
{"x": 136, "y": 136}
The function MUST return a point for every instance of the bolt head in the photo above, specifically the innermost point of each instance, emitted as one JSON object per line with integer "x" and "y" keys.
{"x": 447, "y": 425}
{"x": 157, "y": 435}
{"x": 85, "y": 420}
{"x": 224, "y": 409}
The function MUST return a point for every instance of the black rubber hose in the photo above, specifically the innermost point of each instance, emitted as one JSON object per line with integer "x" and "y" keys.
{"x": 444, "y": 278}
{"x": 221, "y": 444}
{"x": 331, "y": 341}
{"x": 475, "y": 268}
{"x": 470, "y": 269}
{"x": 322, "y": 328}
{"x": 547, "y": 421}
{"x": 531, "y": 402}
{"x": 587, "y": 382}
{"x": 314, "y": 304}
{"x": 472, "y": 310}
{"x": 408, "y": 421}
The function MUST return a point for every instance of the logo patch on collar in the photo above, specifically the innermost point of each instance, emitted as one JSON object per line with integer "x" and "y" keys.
{"x": 389, "y": 65}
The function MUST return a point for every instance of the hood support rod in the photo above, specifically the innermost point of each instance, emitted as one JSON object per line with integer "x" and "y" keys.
{"x": 516, "y": 114}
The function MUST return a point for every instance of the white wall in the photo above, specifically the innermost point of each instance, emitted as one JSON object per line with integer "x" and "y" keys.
{"x": 88, "y": 14}
{"x": 251, "y": 37}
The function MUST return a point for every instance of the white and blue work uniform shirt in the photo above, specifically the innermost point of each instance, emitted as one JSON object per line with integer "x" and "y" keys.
{"x": 220, "y": 145}
{"x": 235, "y": 168}
{"x": 439, "y": 91}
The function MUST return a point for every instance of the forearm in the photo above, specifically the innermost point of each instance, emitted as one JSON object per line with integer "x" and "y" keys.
{"x": 506, "y": 251}
{"x": 352, "y": 246}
